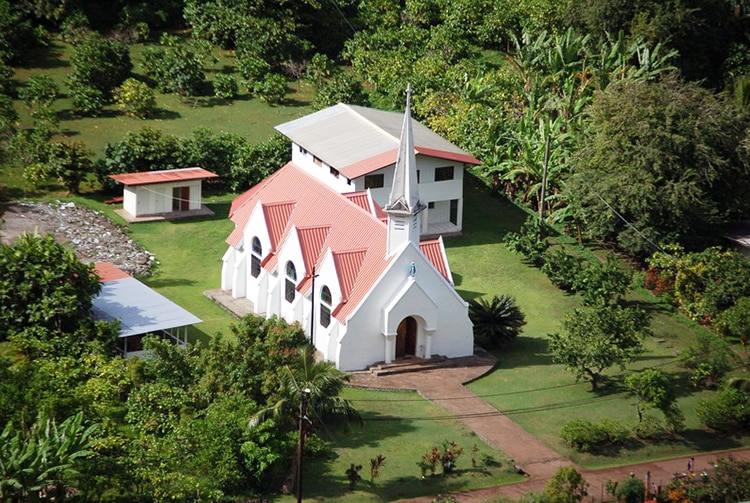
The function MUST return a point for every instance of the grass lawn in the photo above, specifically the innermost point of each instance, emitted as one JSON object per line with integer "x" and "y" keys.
{"x": 400, "y": 426}
{"x": 538, "y": 394}
{"x": 526, "y": 385}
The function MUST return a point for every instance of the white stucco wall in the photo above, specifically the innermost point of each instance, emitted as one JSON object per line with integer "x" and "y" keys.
{"x": 154, "y": 199}
{"x": 364, "y": 341}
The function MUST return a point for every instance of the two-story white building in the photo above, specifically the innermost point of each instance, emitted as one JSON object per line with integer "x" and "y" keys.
{"x": 353, "y": 148}
{"x": 353, "y": 273}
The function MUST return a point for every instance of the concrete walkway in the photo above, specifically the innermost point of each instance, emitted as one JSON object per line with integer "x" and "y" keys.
{"x": 445, "y": 387}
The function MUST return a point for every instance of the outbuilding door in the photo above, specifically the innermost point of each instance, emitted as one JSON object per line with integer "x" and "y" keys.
{"x": 406, "y": 338}
{"x": 181, "y": 199}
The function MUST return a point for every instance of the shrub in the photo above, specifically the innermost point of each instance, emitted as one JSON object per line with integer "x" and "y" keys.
{"x": 87, "y": 100}
{"x": 708, "y": 361}
{"x": 728, "y": 412}
{"x": 567, "y": 485}
{"x": 586, "y": 436}
{"x": 225, "y": 86}
{"x": 631, "y": 490}
{"x": 174, "y": 69}
{"x": 561, "y": 269}
{"x": 449, "y": 455}
{"x": 601, "y": 284}
{"x": 136, "y": 99}
{"x": 735, "y": 321}
{"x": 498, "y": 320}
{"x": 527, "y": 241}
{"x": 271, "y": 89}
{"x": 100, "y": 64}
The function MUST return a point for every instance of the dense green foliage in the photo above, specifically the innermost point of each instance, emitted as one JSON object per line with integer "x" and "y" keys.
{"x": 46, "y": 294}
{"x": 597, "y": 338}
{"x": 664, "y": 162}
{"x": 498, "y": 320}
{"x": 503, "y": 79}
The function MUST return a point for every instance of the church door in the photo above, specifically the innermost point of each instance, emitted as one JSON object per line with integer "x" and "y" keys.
{"x": 406, "y": 337}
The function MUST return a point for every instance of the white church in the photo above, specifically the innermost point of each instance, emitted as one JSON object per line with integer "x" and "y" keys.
{"x": 313, "y": 242}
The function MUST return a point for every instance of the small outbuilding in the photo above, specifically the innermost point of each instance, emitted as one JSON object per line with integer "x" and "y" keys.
{"x": 170, "y": 193}
{"x": 140, "y": 310}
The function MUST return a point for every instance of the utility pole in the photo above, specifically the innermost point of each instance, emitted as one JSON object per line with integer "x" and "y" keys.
{"x": 543, "y": 189}
{"x": 304, "y": 399}
{"x": 312, "y": 308}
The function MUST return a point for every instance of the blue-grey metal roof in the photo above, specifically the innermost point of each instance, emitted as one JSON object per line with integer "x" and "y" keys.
{"x": 140, "y": 309}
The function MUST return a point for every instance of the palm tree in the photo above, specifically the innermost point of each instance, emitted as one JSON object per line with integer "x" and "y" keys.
{"x": 499, "y": 320}
{"x": 324, "y": 382}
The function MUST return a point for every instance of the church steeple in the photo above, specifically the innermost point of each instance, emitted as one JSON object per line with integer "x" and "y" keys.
{"x": 404, "y": 204}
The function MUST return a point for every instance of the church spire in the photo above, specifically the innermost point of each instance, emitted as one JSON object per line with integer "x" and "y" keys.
{"x": 404, "y": 198}
{"x": 404, "y": 204}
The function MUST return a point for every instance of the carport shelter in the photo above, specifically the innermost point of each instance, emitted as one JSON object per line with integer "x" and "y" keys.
{"x": 140, "y": 309}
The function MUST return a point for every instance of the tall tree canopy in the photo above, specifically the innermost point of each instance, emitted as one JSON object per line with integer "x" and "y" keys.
{"x": 662, "y": 162}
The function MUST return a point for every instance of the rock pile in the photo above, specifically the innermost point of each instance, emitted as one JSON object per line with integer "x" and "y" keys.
{"x": 95, "y": 237}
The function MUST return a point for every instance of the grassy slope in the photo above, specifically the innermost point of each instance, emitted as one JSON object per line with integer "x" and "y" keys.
{"x": 401, "y": 427}
{"x": 539, "y": 395}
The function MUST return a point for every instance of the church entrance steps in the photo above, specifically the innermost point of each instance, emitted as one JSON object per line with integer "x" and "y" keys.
{"x": 411, "y": 364}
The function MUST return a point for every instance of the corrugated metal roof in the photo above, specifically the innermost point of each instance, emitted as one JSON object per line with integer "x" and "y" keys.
{"x": 107, "y": 271}
{"x": 311, "y": 242}
{"x": 435, "y": 253}
{"x": 366, "y": 202}
{"x": 358, "y": 140}
{"x": 163, "y": 176}
{"x": 140, "y": 309}
{"x": 324, "y": 220}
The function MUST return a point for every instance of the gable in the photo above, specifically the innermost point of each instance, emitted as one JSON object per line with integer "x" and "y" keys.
{"x": 308, "y": 216}
{"x": 358, "y": 140}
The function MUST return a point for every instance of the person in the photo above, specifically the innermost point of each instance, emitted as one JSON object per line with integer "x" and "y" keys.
{"x": 691, "y": 463}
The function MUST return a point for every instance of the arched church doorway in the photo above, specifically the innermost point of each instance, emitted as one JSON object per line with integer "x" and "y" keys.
{"x": 406, "y": 338}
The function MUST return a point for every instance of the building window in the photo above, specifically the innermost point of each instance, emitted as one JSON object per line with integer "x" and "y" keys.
{"x": 255, "y": 256}
{"x": 418, "y": 176}
{"x": 374, "y": 181}
{"x": 317, "y": 160}
{"x": 431, "y": 205}
{"x": 302, "y": 149}
{"x": 325, "y": 306}
{"x": 291, "y": 281}
{"x": 334, "y": 172}
{"x": 444, "y": 173}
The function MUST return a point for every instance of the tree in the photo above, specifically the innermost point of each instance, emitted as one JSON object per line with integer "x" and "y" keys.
{"x": 254, "y": 162}
{"x": 662, "y": 162}
{"x": 499, "y": 320}
{"x": 631, "y": 490}
{"x": 70, "y": 162}
{"x": 653, "y": 389}
{"x": 44, "y": 457}
{"x": 217, "y": 153}
{"x": 324, "y": 383}
{"x": 730, "y": 480}
{"x": 174, "y": 69}
{"x": 39, "y": 93}
{"x": 43, "y": 286}
{"x": 99, "y": 66}
{"x": 135, "y": 98}
{"x": 146, "y": 149}
{"x": 597, "y": 338}
{"x": 567, "y": 485}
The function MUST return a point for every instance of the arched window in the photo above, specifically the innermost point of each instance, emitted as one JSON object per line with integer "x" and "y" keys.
{"x": 255, "y": 256}
{"x": 291, "y": 281}
{"x": 325, "y": 306}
